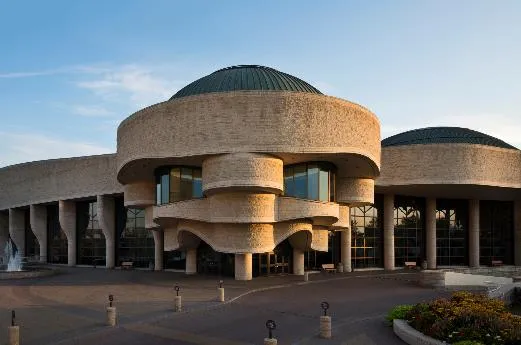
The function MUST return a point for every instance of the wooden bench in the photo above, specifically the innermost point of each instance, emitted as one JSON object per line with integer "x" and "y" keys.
{"x": 410, "y": 264}
{"x": 329, "y": 268}
{"x": 126, "y": 265}
{"x": 496, "y": 263}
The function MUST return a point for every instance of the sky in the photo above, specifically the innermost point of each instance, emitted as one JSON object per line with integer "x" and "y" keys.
{"x": 71, "y": 71}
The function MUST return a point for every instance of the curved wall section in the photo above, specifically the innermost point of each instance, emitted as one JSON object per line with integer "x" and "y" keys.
{"x": 249, "y": 121}
{"x": 450, "y": 164}
{"x": 322, "y": 213}
{"x": 254, "y": 171}
{"x": 58, "y": 179}
{"x": 140, "y": 194}
{"x": 355, "y": 191}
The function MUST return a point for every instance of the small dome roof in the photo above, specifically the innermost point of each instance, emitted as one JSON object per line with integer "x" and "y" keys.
{"x": 444, "y": 135}
{"x": 245, "y": 77}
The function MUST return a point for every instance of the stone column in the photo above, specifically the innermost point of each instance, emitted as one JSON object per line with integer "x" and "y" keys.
{"x": 107, "y": 221}
{"x": 243, "y": 266}
{"x": 388, "y": 232}
{"x": 345, "y": 238}
{"x": 17, "y": 229}
{"x": 38, "y": 216}
{"x": 4, "y": 233}
{"x": 298, "y": 262}
{"x": 517, "y": 232}
{"x": 67, "y": 217}
{"x": 430, "y": 232}
{"x": 159, "y": 246}
{"x": 191, "y": 261}
{"x": 474, "y": 233}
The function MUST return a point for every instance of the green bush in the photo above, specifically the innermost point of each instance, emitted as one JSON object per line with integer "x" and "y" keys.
{"x": 468, "y": 342}
{"x": 398, "y": 312}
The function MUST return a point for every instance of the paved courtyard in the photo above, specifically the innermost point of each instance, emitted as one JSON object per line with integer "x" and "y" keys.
{"x": 69, "y": 308}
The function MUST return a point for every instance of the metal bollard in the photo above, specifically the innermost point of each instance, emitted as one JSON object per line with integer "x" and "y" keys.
{"x": 220, "y": 289}
{"x": 325, "y": 322}
{"x": 270, "y": 325}
{"x": 13, "y": 331}
{"x": 178, "y": 302}
{"x": 111, "y": 313}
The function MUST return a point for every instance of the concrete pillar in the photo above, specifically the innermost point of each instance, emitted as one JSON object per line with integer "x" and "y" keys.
{"x": 388, "y": 232}
{"x": 107, "y": 221}
{"x": 67, "y": 218}
{"x": 517, "y": 233}
{"x": 243, "y": 266}
{"x": 191, "y": 261}
{"x": 17, "y": 229}
{"x": 38, "y": 217}
{"x": 298, "y": 262}
{"x": 4, "y": 233}
{"x": 345, "y": 250}
{"x": 474, "y": 233}
{"x": 159, "y": 248}
{"x": 430, "y": 232}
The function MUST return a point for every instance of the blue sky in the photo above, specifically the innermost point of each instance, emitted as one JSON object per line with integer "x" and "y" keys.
{"x": 70, "y": 71}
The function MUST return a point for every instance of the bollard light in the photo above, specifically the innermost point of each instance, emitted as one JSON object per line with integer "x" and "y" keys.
{"x": 325, "y": 307}
{"x": 220, "y": 284}
{"x": 111, "y": 299}
{"x": 176, "y": 288}
{"x": 270, "y": 325}
{"x": 13, "y": 317}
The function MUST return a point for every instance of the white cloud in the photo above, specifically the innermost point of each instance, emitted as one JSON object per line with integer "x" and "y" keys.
{"x": 91, "y": 111}
{"x": 26, "y": 147}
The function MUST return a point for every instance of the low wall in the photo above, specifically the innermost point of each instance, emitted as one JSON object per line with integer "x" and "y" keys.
{"x": 411, "y": 336}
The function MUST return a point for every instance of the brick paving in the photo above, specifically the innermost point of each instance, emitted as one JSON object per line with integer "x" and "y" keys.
{"x": 69, "y": 308}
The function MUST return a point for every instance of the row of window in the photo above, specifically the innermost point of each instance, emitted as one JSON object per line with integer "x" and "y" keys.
{"x": 313, "y": 181}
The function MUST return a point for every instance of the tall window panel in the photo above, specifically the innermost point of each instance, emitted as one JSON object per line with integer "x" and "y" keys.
{"x": 90, "y": 238}
{"x": 32, "y": 246}
{"x": 135, "y": 243}
{"x": 312, "y": 181}
{"x": 451, "y": 232}
{"x": 178, "y": 183}
{"x": 408, "y": 230}
{"x": 56, "y": 238}
{"x": 366, "y": 237}
{"x": 496, "y": 234}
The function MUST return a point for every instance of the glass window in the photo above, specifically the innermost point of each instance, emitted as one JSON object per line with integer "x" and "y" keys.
{"x": 178, "y": 183}
{"x": 197, "y": 186}
{"x": 312, "y": 182}
{"x": 300, "y": 178}
{"x": 451, "y": 230}
{"x": 324, "y": 185}
{"x": 56, "y": 238}
{"x": 186, "y": 184}
{"x": 289, "y": 185}
{"x": 90, "y": 241}
{"x": 134, "y": 243}
{"x": 366, "y": 237}
{"x": 408, "y": 231}
{"x": 165, "y": 181}
{"x": 496, "y": 232}
{"x": 175, "y": 184}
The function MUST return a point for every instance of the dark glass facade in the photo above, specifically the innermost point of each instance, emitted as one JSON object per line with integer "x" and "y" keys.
{"x": 496, "y": 236}
{"x": 313, "y": 181}
{"x": 32, "y": 246}
{"x": 408, "y": 230}
{"x": 56, "y": 238}
{"x": 451, "y": 232}
{"x": 366, "y": 235}
{"x": 177, "y": 184}
{"x": 90, "y": 238}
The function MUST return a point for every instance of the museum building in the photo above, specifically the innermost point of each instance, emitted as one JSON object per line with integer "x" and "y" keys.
{"x": 249, "y": 171}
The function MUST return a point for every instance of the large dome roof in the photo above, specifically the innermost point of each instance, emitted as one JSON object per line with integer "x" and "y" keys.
{"x": 245, "y": 77}
{"x": 444, "y": 135}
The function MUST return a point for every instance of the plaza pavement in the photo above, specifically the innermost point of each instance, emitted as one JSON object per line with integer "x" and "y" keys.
{"x": 69, "y": 309}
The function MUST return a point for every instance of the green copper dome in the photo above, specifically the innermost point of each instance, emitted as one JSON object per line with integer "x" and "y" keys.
{"x": 444, "y": 135}
{"x": 245, "y": 77}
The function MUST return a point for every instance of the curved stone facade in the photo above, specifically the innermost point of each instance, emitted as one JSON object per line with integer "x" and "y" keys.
{"x": 355, "y": 191}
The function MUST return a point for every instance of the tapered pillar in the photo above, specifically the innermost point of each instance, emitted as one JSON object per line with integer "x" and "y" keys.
{"x": 67, "y": 216}
{"x": 107, "y": 220}
{"x": 38, "y": 217}
{"x": 517, "y": 232}
{"x": 474, "y": 233}
{"x": 17, "y": 229}
{"x": 191, "y": 261}
{"x": 388, "y": 232}
{"x": 430, "y": 232}
{"x": 298, "y": 262}
{"x": 345, "y": 238}
{"x": 243, "y": 266}
{"x": 4, "y": 232}
{"x": 159, "y": 248}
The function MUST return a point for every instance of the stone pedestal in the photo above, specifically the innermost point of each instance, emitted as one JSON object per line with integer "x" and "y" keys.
{"x": 325, "y": 327}
{"x": 221, "y": 294}
{"x": 111, "y": 316}
{"x": 178, "y": 304}
{"x": 268, "y": 341}
{"x": 298, "y": 262}
{"x": 243, "y": 266}
{"x": 191, "y": 261}
{"x": 13, "y": 334}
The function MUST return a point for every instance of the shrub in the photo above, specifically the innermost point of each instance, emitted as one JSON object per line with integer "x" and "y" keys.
{"x": 468, "y": 342}
{"x": 398, "y": 312}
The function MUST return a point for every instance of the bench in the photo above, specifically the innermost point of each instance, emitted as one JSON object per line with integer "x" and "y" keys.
{"x": 496, "y": 263}
{"x": 329, "y": 268}
{"x": 410, "y": 264}
{"x": 126, "y": 265}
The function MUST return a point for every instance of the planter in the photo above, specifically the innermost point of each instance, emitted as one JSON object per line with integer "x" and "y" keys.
{"x": 411, "y": 336}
